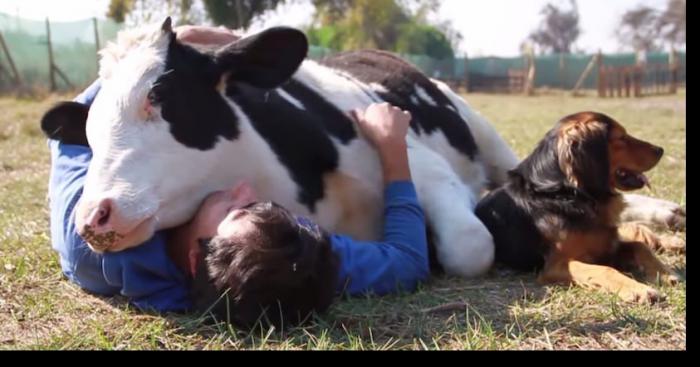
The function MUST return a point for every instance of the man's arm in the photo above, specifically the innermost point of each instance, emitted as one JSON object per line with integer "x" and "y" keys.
{"x": 400, "y": 261}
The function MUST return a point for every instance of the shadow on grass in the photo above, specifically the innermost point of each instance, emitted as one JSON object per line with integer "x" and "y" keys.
{"x": 499, "y": 311}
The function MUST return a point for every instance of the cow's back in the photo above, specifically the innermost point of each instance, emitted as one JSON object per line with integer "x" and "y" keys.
{"x": 405, "y": 86}
{"x": 437, "y": 121}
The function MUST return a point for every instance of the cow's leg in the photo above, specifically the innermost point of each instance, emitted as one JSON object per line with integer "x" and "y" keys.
{"x": 658, "y": 212}
{"x": 463, "y": 244}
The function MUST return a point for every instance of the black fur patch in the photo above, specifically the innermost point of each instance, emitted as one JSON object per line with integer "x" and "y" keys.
{"x": 400, "y": 79}
{"x": 300, "y": 138}
{"x": 186, "y": 92}
{"x": 334, "y": 121}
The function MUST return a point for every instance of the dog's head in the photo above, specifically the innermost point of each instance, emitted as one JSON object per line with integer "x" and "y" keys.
{"x": 591, "y": 152}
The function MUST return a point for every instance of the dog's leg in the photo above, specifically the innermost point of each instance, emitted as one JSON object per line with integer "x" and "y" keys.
{"x": 640, "y": 233}
{"x": 662, "y": 213}
{"x": 598, "y": 277}
{"x": 464, "y": 246}
{"x": 640, "y": 256}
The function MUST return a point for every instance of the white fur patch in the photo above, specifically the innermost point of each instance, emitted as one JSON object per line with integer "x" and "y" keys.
{"x": 422, "y": 94}
{"x": 297, "y": 103}
{"x": 132, "y": 41}
{"x": 378, "y": 88}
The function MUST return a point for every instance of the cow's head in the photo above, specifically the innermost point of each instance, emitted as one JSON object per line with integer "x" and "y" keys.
{"x": 157, "y": 125}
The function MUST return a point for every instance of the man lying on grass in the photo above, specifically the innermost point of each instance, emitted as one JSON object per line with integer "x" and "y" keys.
{"x": 248, "y": 260}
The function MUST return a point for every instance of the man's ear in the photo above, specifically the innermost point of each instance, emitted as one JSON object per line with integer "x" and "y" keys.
{"x": 65, "y": 122}
{"x": 264, "y": 60}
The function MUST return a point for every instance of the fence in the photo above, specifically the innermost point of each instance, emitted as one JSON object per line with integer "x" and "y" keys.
{"x": 637, "y": 80}
{"x": 51, "y": 55}
{"x": 61, "y": 55}
{"x": 561, "y": 71}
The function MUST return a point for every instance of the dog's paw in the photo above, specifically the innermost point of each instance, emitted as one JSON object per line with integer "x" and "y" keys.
{"x": 669, "y": 277}
{"x": 641, "y": 294}
{"x": 672, "y": 244}
{"x": 675, "y": 220}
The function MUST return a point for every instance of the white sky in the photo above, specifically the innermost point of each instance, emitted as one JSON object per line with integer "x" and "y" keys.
{"x": 489, "y": 27}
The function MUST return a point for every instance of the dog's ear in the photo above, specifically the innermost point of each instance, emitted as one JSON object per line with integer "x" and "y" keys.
{"x": 65, "y": 122}
{"x": 540, "y": 171}
{"x": 583, "y": 155}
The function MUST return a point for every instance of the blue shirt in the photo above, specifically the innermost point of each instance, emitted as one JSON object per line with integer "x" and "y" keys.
{"x": 151, "y": 280}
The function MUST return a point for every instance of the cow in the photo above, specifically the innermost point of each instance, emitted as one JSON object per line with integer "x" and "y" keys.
{"x": 172, "y": 123}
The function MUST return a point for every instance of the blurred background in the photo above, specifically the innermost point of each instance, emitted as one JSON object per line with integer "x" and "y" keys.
{"x": 621, "y": 47}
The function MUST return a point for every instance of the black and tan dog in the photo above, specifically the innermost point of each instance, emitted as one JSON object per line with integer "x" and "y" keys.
{"x": 559, "y": 211}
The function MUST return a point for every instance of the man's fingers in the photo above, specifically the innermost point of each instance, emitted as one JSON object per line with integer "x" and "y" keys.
{"x": 357, "y": 114}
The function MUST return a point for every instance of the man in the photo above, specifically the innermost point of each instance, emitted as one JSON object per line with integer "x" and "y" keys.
{"x": 254, "y": 256}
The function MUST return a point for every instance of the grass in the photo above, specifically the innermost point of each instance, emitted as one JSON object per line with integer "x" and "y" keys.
{"x": 41, "y": 310}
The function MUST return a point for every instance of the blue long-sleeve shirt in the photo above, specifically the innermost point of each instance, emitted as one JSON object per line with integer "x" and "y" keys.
{"x": 150, "y": 279}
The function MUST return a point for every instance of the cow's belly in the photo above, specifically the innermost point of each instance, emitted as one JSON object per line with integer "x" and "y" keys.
{"x": 354, "y": 194}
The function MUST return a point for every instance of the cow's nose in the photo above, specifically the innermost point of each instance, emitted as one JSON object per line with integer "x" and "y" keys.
{"x": 99, "y": 217}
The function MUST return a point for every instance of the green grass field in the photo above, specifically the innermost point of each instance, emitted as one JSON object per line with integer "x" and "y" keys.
{"x": 41, "y": 310}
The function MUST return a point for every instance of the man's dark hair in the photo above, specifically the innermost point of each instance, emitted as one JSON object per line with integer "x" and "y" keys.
{"x": 278, "y": 275}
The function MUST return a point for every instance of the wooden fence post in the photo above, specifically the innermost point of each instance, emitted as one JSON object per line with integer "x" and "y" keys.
{"x": 97, "y": 44}
{"x": 673, "y": 67}
{"x": 601, "y": 75}
{"x": 52, "y": 78}
{"x": 16, "y": 76}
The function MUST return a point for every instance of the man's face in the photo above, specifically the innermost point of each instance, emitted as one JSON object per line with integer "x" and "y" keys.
{"x": 223, "y": 213}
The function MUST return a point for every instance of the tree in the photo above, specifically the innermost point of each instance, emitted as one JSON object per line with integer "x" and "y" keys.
{"x": 558, "y": 30}
{"x": 230, "y": 13}
{"x": 423, "y": 39}
{"x": 394, "y": 25}
{"x": 330, "y": 11}
{"x": 639, "y": 29}
{"x": 119, "y": 9}
{"x": 237, "y": 13}
{"x": 671, "y": 23}
{"x": 135, "y": 12}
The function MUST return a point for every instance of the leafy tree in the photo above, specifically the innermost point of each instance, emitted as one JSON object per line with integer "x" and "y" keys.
{"x": 395, "y": 25}
{"x": 559, "y": 29}
{"x": 638, "y": 29}
{"x": 237, "y": 13}
{"x": 671, "y": 23}
{"x": 119, "y": 9}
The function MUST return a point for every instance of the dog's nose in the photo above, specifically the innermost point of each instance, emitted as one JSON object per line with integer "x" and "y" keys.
{"x": 659, "y": 151}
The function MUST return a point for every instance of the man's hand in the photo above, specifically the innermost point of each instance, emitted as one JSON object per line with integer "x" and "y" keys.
{"x": 383, "y": 124}
{"x": 385, "y": 127}
{"x": 203, "y": 35}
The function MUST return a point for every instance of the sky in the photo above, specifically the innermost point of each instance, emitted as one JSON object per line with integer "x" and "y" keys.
{"x": 489, "y": 27}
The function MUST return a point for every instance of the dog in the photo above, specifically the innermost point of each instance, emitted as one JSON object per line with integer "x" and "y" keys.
{"x": 559, "y": 211}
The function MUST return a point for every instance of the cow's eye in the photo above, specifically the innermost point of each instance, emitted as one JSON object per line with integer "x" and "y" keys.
{"x": 153, "y": 96}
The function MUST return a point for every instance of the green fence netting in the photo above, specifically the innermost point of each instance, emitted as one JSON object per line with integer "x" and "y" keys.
{"x": 73, "y": 44}
{"x": 74, "y": 49}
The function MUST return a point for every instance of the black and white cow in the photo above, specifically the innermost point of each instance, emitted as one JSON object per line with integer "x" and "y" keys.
{"x": 171, "y": 124}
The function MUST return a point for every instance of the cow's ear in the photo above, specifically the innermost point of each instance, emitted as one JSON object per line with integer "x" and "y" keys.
{"x": 266, "y": 59}
{"x": 65, "y": 122}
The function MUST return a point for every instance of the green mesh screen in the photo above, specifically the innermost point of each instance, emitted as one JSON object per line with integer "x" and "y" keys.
{"x": 74, "y": 52}
{"x": 73, "y": 45}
